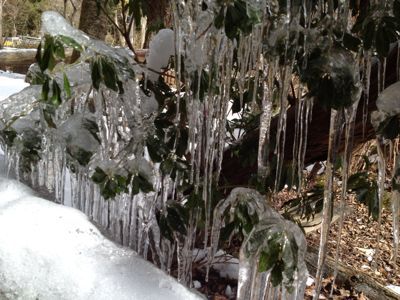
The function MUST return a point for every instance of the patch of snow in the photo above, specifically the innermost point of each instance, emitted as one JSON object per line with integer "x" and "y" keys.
{"x": 49, "y": 251}
{"x": 229, "y": 293}
{"x": 11, "y": 83}
{"x": 310, "y": 281}
{"x": 196, "y": 284}
{"x": 161, "y": 48}
{"x": 225, "y": 264}
{"x": 394, "y": 288}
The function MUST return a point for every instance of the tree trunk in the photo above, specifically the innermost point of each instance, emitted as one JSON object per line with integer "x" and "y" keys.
{"x": 92, "y": 21}
{"x": 236, "y": 173}
{"x": 158, "y": 13}
{"x": 1, "y": 24}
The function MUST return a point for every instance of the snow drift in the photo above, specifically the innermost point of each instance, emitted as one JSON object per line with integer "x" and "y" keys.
{"x": 49, "y": 251}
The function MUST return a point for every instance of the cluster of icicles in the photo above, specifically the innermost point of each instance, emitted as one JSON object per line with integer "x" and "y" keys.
{"x": 131, "y": 219}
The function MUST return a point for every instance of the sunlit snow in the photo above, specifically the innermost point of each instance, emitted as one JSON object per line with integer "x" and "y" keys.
{"x": 10, "y": 83}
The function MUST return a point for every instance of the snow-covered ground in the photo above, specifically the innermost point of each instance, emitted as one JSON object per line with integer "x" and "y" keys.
{"x": 50, "y": 251}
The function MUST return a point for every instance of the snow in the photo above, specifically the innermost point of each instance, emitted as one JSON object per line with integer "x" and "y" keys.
{"x": 394, "y": 288}
{"x": 49, "y": 251}
{"x": 223, "y": 263}
{"x": 161, "y": 49}
{"x": 11, "y": 83}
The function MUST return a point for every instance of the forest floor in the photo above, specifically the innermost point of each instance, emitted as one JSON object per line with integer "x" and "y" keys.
{"x": 359, "y": 246}
{"x": 359, "y": 251}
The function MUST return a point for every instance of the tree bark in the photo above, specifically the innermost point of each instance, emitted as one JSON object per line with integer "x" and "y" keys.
{"x": 236, "y": 173}
{"x": 158, "y": 12}
{"x": 1, "y": 24}
{"x": 92, "y": 21}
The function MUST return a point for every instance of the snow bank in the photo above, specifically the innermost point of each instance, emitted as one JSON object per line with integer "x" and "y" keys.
{"x": 49, "y": 251}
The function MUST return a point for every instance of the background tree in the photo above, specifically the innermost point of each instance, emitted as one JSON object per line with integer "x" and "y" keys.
{"x": 2, "y": 2}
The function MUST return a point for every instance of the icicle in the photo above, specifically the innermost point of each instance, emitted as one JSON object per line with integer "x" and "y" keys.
{"x": 381, "y": 189}
{"x": 396, "y": 202}
{"x": 350, "y": 116}
{"x": 366, "y": 85}
{"x": 327, "y": 205}
{"x": 265, "y": 122}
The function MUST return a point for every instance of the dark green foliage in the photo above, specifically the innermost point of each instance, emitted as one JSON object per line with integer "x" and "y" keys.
{"x": 279, "y": 254}
{"x": 330, "y": 78}
{"x": 173, "y": 221}
{"x": 104, "y": 71}
{"x": 390, "y": 128}
{"x": 366, "y": 190}
{"x": 378, "y": 32}
{"x": 112, "y": 185}
{"x": 237, "y": 17}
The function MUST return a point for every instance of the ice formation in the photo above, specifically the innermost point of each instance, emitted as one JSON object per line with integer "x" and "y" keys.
{"x": 261, "y": 58}
{"x": 271, "y": 228}
{"x": 387, "y": 104}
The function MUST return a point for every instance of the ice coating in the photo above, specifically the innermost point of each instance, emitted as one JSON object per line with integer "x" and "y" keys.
{"x": 54, "y": 24}
{"x": 251, "y": 283}
{"x": 162, "y": 47}
{"x": 388, "y": 104}
{"x": 49, "y": 251}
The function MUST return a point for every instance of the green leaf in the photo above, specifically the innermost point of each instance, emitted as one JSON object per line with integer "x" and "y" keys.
{"x": 67, "y": 86}
{"x": 166, "y": 166}
{"x": 144, "y": 184}
{"x": 99, "y": 176}
{"x": 165, "y": 229}
{"x": 175, "y": 220}
{"x": 70, "y": 42}
{"x": 56, "y": 96}
{"x": 351, "y": 42}
{"x": 382, "y": 42}
{"x": 49, "y": 119}
{"x": 45, "y": 90}
{"x": 219, "y": 19}
{"x": 227, "y": 231}
{"x": 109, "y": 74}
{"x": 96, "y": 73}
{"x": 263, "y": 262}
{"x": 38, "y": 56}
{"x": 135, "y": 186}
{"x": 390, "y": 128}
{"x": 369, "y": 33}
{"x": 59, "y": 50}
{"x": 276, "y": 274}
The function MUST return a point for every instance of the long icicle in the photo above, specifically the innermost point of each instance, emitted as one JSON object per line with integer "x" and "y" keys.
{"x": 381, "y": 187}
{"x": 327, "y": 206}
{"x": 350, "y": 116}
{"x": 396, "y": 201}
